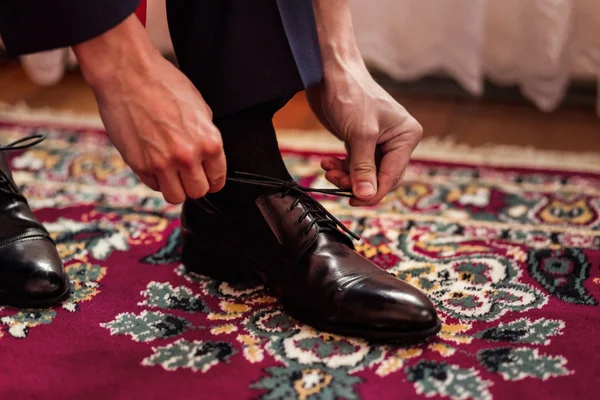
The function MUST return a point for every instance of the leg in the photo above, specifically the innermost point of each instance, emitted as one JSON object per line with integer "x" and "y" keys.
{"x": 236, "y": 52}
{"x": 250, "y": 146}
{"x": 265, "y": 223}
{"x": 238, "y": 55}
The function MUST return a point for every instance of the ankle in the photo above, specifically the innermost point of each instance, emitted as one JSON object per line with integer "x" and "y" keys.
{"x": 236, "y": 195}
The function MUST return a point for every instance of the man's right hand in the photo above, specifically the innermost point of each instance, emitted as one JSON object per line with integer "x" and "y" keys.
{"x": 153, "y": 114}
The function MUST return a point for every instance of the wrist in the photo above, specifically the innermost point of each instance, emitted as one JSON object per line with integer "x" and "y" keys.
{"x": 339, "y": 51}
{"x": 117, "y": 55}
{"x": 340, "y": 54}
{"x": 339, "y": 67}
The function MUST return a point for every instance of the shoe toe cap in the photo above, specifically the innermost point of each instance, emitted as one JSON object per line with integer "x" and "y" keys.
{"x": 385, "y": 302}
{"x": 36, "y": 272}
{"x": 45, "y": 285}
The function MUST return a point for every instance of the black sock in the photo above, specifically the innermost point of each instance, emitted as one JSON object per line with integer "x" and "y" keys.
{"x": 250, "y": 146}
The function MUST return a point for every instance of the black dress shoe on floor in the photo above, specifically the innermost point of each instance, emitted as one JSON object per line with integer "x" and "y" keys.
{"x": 294, "y": 245}
{"x": 31, "y": 272}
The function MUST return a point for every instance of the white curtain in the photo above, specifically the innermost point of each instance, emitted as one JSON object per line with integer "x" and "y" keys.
{"x": 538, "y": 44}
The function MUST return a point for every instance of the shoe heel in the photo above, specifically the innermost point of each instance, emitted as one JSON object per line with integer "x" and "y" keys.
{"x": 199, "y": 257}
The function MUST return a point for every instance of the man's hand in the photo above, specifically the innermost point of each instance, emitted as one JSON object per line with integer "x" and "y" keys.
{"x": 153, "y": 114}
{"x": 380, "y": 135}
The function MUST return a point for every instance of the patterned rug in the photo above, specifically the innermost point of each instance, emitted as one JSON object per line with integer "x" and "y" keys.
{"x": 509, "y": 255}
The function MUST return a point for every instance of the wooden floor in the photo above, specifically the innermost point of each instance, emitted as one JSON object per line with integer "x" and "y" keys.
{"x": 467, "y": 121}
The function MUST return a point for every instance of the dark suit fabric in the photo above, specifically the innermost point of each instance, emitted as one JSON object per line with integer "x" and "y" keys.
{"x": 238, "y": 53}
{"x": 29, "y": 26}
{"x": 241, "y": 53}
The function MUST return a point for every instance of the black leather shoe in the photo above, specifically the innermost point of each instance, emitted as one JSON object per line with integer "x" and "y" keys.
{"x": 31, "y": 272}
{"x": 294, "y": 245}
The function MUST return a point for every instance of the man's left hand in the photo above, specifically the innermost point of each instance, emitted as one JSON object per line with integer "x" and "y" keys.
{"x": 380, "y": 135}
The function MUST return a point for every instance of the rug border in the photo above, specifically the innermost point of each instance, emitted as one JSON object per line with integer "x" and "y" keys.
{"x": 430, "y": 149}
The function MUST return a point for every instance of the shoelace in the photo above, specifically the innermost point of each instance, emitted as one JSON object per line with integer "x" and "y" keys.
{"x": 20, "y": 144}
{"x": 321, "y": 217}
{"x": 29, "y": 141}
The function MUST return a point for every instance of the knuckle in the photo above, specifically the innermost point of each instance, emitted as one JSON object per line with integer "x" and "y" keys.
{"x": 363, "y": 167}
{"x": 368, "y": 134}
{"x": 174, "y": 199}
{"x": 213, "y": 131}
{"x": 217, "y": 179}
{"x": 158, "y": 164}
{"x": 209, "y": 132}
{"x": 197, "y": 188}
{"x": 202, "y": 192}
{"x": 209, "y": 111}
{"x": 416, "y": 128}
{"x": 184, "y": 156}
{"x": 196, "y": 194}
{"x": 213, "y": 147}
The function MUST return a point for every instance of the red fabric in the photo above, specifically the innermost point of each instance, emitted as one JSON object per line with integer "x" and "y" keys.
{"x": 141, "y": 12}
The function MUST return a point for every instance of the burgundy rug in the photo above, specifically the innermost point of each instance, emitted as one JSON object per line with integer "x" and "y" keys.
{"x": 510, "y": 256}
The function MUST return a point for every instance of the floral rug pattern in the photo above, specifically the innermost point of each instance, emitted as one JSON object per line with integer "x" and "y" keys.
{"x": 510, "y": 257}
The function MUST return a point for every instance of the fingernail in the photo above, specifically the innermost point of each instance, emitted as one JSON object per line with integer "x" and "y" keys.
{"x": 365, "y": 189}
{"x": 328, "y": 166}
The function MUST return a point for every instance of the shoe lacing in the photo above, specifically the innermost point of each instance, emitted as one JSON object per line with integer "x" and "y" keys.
{"x": 24, "y": 143}
{"x": 321, "y": 218}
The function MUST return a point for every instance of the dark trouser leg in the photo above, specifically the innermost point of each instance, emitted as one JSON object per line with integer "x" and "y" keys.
{"x": 237, "y": 53}
{"x": 250, "y": 146}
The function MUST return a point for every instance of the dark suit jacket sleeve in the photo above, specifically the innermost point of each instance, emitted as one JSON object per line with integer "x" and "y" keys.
{"x": 28, "y": 26}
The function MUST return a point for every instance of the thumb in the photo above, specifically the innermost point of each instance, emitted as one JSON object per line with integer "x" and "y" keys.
{"x": 363, "y": 171}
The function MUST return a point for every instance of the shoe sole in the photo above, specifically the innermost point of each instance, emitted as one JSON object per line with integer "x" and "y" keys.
{"x": 201, "y": 259}
{"x": 10, "y": 301}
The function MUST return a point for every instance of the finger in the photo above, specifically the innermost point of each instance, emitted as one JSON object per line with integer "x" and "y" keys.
{"x": 194, "y": 182}
{"x": 171, "y": 187}
{"x": 363, "y": 172}
{"x": 330, "y": 163}
{"x": 339, "y": 178}
{"x": 397, "y": 156}
{"x": 391, "y": 170}
{"x": 214, "y": 162}
{"x": 216, "y": 172}
{"x": 150, "y": 181}
{"x": 345, "y": 182}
